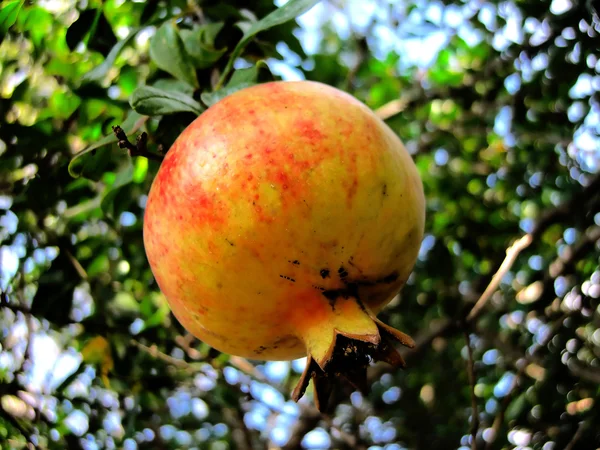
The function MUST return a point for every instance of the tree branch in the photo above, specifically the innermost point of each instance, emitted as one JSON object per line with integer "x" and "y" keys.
{"x": 156, "y": 353}
{"x": 577, "y": 435}
{"x": 550, "y": 218}
{"x": 471, "y": 374}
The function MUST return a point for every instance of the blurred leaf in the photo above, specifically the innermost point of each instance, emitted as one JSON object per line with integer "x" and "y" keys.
{"x": 140, "y": 170}
{"x": 241, "y": 78}
{"x": 211, "y": 30}
{"x": 159, "y": 311}
{"x": 9, "y": 13}
{"x": 100, "y": 264}
{"x": 203, "y": 53}
{"x": 168, "y": 53}
{"x": 169, "y": 84}
{"x": 154, "y": 102}
{"x": 97, "y": 352}
{"x": 63, "y": 104}
{"x": 516, "y": 407}
{"x": 39, "y": 24}
{"x": 93, "y": 28}
{"x": 249, "y": 75}
{"x": 289, "y": 11}
{"x": 210, "y": 98}
{"x": 125, "y": 303}
{"x": 124, "y": 177}
{"x": 98, "y": 73}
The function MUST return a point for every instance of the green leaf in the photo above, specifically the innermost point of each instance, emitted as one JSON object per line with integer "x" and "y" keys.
{"x": 203, "y": 54}
{"x": 98, "y": 73}
{"x": 241, "y": 78}
{"x": 62, "y": 104}
{"x": 38, "y": 23}
{"x": 123, "y": 178}
{"x": 157, "y": 311}
{"x": 516, "y": 407}
{"x": 170, "y": 84}
{"x": 140, "y": 170}
{"x": 87, "y": 162}
{"x": 289, "y": 11}
{"x": 210, "y": 98}
{"x": 125, "y": 304}
{"x": 94, "y": 30}
{"x": 249, "y": 75}
{"x": 168, "y": 53}
{"x": 9, "y": 13}
{"x": 211, "y": 30}
{"x": 151, "y": 101}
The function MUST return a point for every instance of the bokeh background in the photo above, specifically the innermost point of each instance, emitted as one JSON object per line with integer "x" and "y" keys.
{"x": 498, "y": 103}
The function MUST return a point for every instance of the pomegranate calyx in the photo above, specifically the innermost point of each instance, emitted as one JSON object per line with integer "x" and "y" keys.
{"x": 350, "y": 357}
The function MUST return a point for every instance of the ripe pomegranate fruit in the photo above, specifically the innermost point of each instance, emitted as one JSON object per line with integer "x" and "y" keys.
{"x": 281, "y": 221}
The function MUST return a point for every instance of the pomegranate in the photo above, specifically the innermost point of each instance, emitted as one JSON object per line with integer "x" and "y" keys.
{"x": 281, "y": 221}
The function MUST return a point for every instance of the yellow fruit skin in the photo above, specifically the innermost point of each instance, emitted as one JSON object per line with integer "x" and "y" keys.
{"x": 275, "y": 194}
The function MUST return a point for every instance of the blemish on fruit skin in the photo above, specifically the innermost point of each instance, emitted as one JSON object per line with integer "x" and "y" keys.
{"x": 324, "y": 273}
{"x": 260, "y": 349}
{"x": 331, "y": 296}
{"x": 342, "y": 272}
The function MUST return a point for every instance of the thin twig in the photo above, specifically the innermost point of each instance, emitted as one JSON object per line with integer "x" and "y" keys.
{"x": 576, "y": 436}
{"x": 76, "y": 264}
{"x": 471, "y": 374}
{"x": 549, "y": 218}
{"x": 156, "y": 353}
{"x": 245, "y": 366}
{"x": 242, "y": 364}
{"x": 397, "y": 105}
{"x": 185, "y": 342}
{"x": 511, "y": 255}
